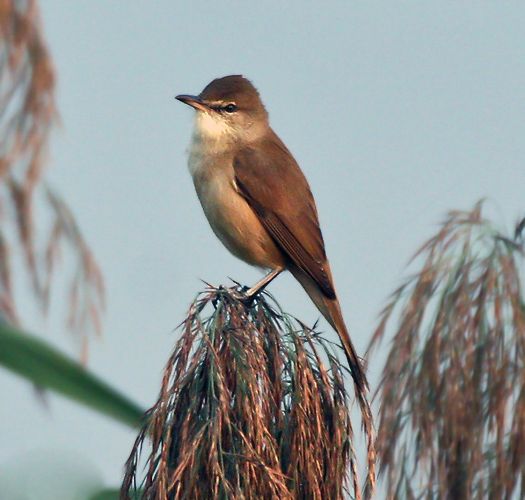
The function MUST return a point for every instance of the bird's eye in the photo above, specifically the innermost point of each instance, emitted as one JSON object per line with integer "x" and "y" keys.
{"x": 230, "y": 108}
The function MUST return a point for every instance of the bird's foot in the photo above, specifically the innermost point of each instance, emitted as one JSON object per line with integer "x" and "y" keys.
{"x": 242, "y": 294}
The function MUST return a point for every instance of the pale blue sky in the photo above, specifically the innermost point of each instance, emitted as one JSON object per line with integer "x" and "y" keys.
{"x": 396, "y": 111}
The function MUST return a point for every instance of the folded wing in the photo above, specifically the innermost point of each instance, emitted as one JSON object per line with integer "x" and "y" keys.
{"x": 272, "y": 183}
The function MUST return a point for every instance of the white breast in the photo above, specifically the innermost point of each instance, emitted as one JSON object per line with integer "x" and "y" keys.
{"x": 211, "y": 137}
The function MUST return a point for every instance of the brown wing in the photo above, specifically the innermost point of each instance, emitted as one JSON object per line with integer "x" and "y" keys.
{"x": 270, "y": 180}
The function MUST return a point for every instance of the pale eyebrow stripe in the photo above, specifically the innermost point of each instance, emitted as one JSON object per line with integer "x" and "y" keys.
{"x": 220, "y": 103}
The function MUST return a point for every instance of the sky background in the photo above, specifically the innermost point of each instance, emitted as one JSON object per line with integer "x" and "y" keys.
{"x": 396, "y": 112}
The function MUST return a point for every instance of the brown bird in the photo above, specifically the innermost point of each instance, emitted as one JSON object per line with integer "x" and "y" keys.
{"x": 258, "y": 201}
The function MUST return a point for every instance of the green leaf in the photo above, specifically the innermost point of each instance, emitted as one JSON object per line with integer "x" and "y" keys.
{"x": 37, "y": 361}
{"x": 109, "y": 494}
{"x": 113, "y": 494}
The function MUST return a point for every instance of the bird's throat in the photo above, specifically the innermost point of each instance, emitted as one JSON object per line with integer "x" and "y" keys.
{"x": 211, "y": 127}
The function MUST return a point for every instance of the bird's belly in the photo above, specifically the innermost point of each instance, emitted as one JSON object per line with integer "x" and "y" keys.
{"x": 234, "y": 222}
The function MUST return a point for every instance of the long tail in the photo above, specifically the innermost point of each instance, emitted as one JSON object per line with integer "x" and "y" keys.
{"x": 331, "y": 310}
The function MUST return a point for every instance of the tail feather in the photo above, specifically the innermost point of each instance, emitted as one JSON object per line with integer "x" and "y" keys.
{"x": 331, "y": 310}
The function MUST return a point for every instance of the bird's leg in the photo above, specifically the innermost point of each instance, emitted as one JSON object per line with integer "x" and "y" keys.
{"x": 247, "y": 295}
{"x": 263, "y": 283}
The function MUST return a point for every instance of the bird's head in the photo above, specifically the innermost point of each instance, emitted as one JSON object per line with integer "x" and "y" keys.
{"x": 228, "y": 107}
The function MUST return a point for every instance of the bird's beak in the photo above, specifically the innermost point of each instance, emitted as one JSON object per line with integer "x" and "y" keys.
{"x": 193, "y": 101}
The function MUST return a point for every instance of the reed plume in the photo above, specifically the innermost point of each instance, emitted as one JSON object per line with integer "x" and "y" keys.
{"x": 252, "y": 405}
{"x": 452, "y": 418}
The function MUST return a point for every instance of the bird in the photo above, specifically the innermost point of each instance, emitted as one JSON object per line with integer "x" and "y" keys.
{"x": 257, "y": 199}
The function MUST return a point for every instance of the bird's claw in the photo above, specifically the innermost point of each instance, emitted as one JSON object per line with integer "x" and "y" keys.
{"x": 241, "y": 295}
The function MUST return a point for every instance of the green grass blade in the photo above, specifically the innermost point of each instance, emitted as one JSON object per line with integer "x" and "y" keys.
{"x": 114, "y": 494}
{"x": 109, "y": 494}
{"x": 35, "y": 360}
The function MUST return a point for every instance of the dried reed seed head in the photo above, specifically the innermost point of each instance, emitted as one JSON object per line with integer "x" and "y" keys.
{"x": 27, "y": 115}
{"x": 252, "y": 405}
{"x": 452, "y": 388}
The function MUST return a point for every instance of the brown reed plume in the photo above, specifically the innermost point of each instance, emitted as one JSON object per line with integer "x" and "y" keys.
{"x": 247, "y": 409}
{"x": 27, "y": 116}
{"x": 452, "y": 418}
